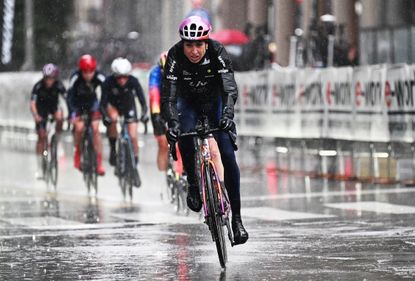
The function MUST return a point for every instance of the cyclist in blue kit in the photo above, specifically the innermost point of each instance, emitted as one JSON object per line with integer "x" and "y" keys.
{"x": 199, "y": 79}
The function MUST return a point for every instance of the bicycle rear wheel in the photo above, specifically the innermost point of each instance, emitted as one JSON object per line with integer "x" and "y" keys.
{"x": 93, "y": 175}
{"x": 120, "y": 168}
{"x": 129, "y": 168}
{"x": 86, "y": 162}
{"x": 53, "y": 164}
{"x": 215, "y": 218}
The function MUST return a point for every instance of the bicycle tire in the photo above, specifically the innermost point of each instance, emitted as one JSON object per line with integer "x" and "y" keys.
{"x": 93, "y": 175}
{"x": 215, "y": 220}
{"x": 45, "y": 170}
{"x": 53, "y": 164}
{"x": 176, "y": 191}
{"x": 170, "y": 183}
{"x": 129, "y": 167}
{"x": 120, "y": 167}
{"x": 183, "y": 195}
{"x": 86, "y": 161}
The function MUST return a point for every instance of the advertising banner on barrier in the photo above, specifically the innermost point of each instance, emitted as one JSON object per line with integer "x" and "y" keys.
{"x": 338, "y": 100}
{"x": 370, "y": 115}
{"x": 284, "y": 120}
{"x": 253, "y": 105}
{"x": 399, "y": 100}
{"x": 311, "y": 102}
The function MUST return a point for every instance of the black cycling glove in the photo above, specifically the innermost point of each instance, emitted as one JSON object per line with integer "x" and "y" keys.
{"x": 173, "y": 133}
{"x": 226, "y": 124}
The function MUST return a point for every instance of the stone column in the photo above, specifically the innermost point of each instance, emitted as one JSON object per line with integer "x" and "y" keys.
{"x": 285, "y": 17}
{"x": 233, "y": 14}
{"x": 345, "y": 14}
{"x": 371, "y": 14}
{"x": 257, "y": 12}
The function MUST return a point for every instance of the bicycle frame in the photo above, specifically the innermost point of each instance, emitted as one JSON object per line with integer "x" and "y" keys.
{"x": 89, "y": 172}
{"x": 203, "y": 151}
{"x": 125, "y": 173}
{"x": 49, "y": 153}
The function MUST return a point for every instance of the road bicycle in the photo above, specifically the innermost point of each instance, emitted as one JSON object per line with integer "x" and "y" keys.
{"x": 126, "y": 167}
{"x": 216, "y": 205}
{"x": 50, "y": 154}
{"x": 89, "y": 159}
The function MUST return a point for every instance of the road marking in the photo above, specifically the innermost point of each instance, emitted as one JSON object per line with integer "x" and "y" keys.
{"x": 42, "y": 222}
{"x": 372, "y": 206}
{"x": 327, "y": 194}
{"x": 157, "y": 218}
{"x": 272, "y": 214}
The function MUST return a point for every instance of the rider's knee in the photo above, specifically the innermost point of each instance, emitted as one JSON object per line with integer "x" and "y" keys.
{"x": 78, "y": 128}
{"x": 133, "y": 138}
{"x": 41, "y": 134}
{"x": 95, "y": 130}
{"x": 215, "y": 153}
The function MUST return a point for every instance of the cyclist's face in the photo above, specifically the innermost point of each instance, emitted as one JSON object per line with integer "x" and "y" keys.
{"x": 88, "y": 75}
{"x": 195, "y": 51}
{"x": 121, "y": 80}
{"x": 49, "y": 81}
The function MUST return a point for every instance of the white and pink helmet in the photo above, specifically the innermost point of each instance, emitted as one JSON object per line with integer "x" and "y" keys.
{"x": 194, "y": 28}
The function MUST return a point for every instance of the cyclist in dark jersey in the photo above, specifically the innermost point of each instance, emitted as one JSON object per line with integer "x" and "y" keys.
{"x": 198, "y": 79}
{"x": 83, "y": 99}
{"x": 45, "y": 102}
{"x": 118, "y": 98}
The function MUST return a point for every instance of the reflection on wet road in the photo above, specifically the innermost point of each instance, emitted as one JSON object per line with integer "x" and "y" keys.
{"x": 300, "y": 228}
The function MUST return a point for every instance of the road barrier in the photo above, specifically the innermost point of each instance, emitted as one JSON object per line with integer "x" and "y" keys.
{"x": 342, "y": 123}
{"x": 338, "y": 113}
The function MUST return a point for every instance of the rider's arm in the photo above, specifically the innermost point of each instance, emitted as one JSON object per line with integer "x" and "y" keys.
{"x": 71, "y": 93}
{"x": 140, "y": 95}
{"x": 106, "y": 90}
{"x": 154, "y": 86}
{"x": 169, "y": 89}
{"x": 62, "y": 91}
{"x": 225, "y": 71}
{"x": 33, "y": 98}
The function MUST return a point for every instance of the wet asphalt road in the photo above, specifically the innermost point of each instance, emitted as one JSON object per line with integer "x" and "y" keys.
{"x": 300, "y": 228}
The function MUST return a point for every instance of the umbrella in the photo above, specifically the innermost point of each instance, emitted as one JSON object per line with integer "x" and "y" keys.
{"x": 230, "y": 37}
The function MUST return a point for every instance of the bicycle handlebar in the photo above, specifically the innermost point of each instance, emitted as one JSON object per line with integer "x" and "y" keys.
{"x": 202, "y": 134}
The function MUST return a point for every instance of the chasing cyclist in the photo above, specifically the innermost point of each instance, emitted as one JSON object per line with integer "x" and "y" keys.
{"x": 44, "y": 102}
{"x": 83, "y": 99}
{"x": 118, "y": 98}
{"x": 198, "y": 78}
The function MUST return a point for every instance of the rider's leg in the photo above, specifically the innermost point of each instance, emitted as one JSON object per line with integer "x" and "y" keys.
{"x": 97, "y": 141}
{"x": 215, "y": 154}
{"x": 78, "y": 129}
{"x": 58, "y": 116}
{"x": 232, "y": 183}
{"x": 112, "y": 132}
{"x": 179, "y": 163}
{"x": 188, "y": 119}
{"x": 162, "y": 155}
{"x": 41, "y": 138}
{"x": 231, "y": 171}
{"x": 132, "y": 132}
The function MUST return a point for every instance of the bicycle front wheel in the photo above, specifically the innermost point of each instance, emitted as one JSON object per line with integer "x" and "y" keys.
{"x": 45, "y": 164}
{"x": 215, "y": 218}
{"x": 53, "y": 164}
{"x": 120, "y": 167}
{"x": 129, "y": 168}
